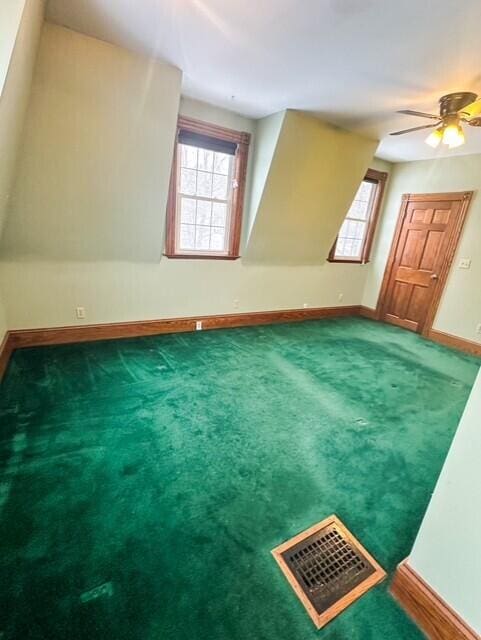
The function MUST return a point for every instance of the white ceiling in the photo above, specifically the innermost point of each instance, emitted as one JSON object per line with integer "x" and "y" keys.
{"x": 352, "y": 62}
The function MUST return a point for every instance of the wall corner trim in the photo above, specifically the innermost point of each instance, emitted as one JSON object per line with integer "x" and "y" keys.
{"x": 426, "y": 608}
{"x": 6, "y": 350}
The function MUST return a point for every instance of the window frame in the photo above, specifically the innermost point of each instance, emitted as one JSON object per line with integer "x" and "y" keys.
{"x": 242, "y": 140}
{"x": 379, "y": 178}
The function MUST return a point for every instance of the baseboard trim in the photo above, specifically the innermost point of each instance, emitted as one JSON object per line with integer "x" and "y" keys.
{"x": 88, "y": 333}
{"x": 19, "y": 338}
{"x": 448, "y": 340}
{"x": 368, "y": 312}
{"x": 425, "y": 607}
{"x": 6, "y": 349}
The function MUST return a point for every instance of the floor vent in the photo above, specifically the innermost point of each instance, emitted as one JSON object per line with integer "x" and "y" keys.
{"x": 327, "y": 568}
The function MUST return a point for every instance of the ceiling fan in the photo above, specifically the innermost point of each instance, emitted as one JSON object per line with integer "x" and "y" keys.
{"x": 454, "y": 109}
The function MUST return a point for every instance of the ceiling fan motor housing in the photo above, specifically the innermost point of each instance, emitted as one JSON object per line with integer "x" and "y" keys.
{"x": 451, "y": 103}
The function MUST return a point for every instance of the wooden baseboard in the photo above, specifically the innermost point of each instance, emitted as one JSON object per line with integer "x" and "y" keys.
{"x": 426, "y": 608}
{"x": 16, "y": 339}
{"x": 448, "y": 340}
{"x": 368, "y": 312}
{"x": 6, "y": 349}
{"x": 88, "y": 333}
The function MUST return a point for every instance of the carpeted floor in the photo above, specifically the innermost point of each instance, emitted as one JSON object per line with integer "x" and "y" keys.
{"x": 167, "y": 468}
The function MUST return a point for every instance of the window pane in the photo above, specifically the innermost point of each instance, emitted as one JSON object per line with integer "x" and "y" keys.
{"x": 221, "y": 163}
{"x": 204, "y": 184}
{"x": 204, "y": 208}
{"x": 219, "y": 214}
{"x": 205, "y": 160}
{"x": 359, "y": 209}
{"x": 187, "y": 210}
{"x": 202, "y": 238}
{"x": 364, "y": 191}
{"x": 217, "y": 239}
{"x": 355, "y": 226}
{"x": 219, "y": 187}
{"x": 205, "y": 190}
{"x": 362, "y": 201}
{"x": 188, "y": 156}
{"x": 351, "y": 237}
{"x": 187, "y": 181}
{"x": 187, "y": 237}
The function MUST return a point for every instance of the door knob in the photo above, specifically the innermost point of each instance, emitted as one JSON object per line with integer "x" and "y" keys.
{"x": 434, "y": 276}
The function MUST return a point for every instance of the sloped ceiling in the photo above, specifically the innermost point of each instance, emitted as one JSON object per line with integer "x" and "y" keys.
{"x": 313, "y": 176}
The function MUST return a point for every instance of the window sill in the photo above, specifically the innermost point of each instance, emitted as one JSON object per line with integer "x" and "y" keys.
{"x": 200, "y": 256}
{"x": 346, "y": 261}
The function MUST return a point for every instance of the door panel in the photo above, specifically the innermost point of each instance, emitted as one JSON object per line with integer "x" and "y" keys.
{"x": 425, "y": 241}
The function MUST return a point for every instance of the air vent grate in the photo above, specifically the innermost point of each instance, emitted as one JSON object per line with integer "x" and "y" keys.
{"x": 328, "y": 569}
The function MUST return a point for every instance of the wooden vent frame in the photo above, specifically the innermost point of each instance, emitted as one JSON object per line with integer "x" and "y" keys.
{"x": 242, "y": 140}
{"x": 321, "y": 619}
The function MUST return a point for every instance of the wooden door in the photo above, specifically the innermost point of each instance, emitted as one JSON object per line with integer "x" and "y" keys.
{"x": 424, "y": 245}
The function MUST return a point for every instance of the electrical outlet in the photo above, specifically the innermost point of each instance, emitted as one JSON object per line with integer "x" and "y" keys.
{"x": 478, "y": 329}
{"x": 80, "y": 313}
{"x": 465, "y": 263}
{"x": 236, "y": 303}
{"x": 340, "y": 297}
{"x": 306, "y": 305}
{"x": 198, "y": 325}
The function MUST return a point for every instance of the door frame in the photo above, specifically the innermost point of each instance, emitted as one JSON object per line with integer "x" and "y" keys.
{"x": 464, "y": 197}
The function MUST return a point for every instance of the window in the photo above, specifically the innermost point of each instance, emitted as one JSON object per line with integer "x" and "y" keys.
{"x": 354, "y": 242}
{"x": 204, "y": 212}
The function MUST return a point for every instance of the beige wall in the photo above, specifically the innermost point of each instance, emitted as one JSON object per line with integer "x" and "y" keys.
{"x": 20, "y": 25}
{"x": 446, "y": 552}
{"x": 86, "y": 225}
{"x": 460, "y": 310}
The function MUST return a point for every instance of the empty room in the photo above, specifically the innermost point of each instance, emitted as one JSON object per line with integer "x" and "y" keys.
{"x": 240, "y": 320}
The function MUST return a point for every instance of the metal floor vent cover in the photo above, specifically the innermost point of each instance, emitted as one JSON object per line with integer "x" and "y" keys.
{"x": 327, "y": 568}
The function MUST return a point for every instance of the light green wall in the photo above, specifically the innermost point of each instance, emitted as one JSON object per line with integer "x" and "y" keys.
{"x": 446, "y": 551}
{"x": 266, "y": 137}
{"x": 460, "y": 309}
{"x": 92, "y": 180}
{"x": 10, "y": 18}
{"x": 20, "y": 25}
{"x": 86, "y": 225}
{"x": 16, "y": 91}
{"x": 313, "y": 177}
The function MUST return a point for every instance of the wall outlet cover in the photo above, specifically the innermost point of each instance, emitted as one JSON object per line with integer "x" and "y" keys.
{"x": 198, "y": 325}
{"x": 465, "y": 263}
{"x": 80, "y": 313}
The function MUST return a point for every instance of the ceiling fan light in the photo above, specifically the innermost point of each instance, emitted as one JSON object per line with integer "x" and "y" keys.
{"x": 460, "y": 139}
{"x": 453, "y": 136}
{"x": 434, "y": 138}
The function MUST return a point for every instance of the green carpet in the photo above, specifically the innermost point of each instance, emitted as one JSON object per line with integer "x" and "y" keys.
{"x": 168, "y": 468}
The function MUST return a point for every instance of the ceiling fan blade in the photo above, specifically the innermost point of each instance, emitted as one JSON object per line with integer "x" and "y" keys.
{"x": 426, "y": 126}
{"x": 473, "y": 109}
{"x": 420, "y": 114}
{"x": 474, "y": 122}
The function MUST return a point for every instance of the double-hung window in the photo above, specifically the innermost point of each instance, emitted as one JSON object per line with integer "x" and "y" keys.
{"x": 204, "y": 213}
{"x": 354, "y": 241}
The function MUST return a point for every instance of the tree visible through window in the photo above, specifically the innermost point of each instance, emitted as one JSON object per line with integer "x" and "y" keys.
{"x": 207, "y": 185}
{"x": 353, "y": 244}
